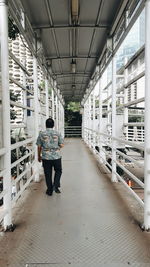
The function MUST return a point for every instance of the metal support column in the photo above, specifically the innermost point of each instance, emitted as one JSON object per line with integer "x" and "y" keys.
{"x": 60, "y": 118}
{"x": 100, "y": 119}
{"x": 93, "y": 126}
{"x": 125, "y": 101}
{"x": 114, "y": 177}
{"x": 46, "y": 98}
{"x": 147, "y": 120}
{"x": 83, "y": 122}
{"x": 5, "y": 111}
{"x": 59, "y": 115}
{"x": 109, "y": 93}
{"x": 24, "y": 94}
{"x": 53, "y": 105}
{"x": 89, "y": 122}
{"x": 56, "y": 121}
{"x": 63, "y": 121}
{"x": 36, "y": 115}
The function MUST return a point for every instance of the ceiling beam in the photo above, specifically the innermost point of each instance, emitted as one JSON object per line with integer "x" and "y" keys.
{"x": 60, "y": 84}
{"x": 70, "y": 57}
{"x": 70, "y": 27}
{"x": 101, "y": 2}
{"x": 65, "y": 74}
{"x": 49, "y": 13}
{"x": 67, "y": 90}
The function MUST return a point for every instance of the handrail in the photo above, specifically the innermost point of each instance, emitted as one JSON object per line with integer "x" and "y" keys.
{"x": 90, "y": 137}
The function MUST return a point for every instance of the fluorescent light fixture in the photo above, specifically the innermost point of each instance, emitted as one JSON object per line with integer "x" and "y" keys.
{"x": 75, "y": 9}
{"x": 73, "y": 66}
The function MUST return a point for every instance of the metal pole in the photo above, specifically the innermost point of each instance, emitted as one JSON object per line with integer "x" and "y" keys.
{"x": 85, "y": 111}
{"x": 87, "y": 120}
{"x": 114, "y": 177}
{"x": 109, "y": 89}
{"x": 83, "y": 121}
{"x": 93, "y": 126}
{"x": 36, "y": 115}
{"x": 46, "y": 98}
{"x": 89, "y": 124}
{"x": 60, "y": 119}
{"x": 147, "y": 119}
{"x": 63, "y": 121}
{"x": 56, "y": 123}
{"x": 24, "y": 94}
{"x": 59, "y": 115}
{"x": 6, "y": 112}
{"x": 53, "y": 105}
{"x": 126, "y": 101}
{"x": 100, "y": 118}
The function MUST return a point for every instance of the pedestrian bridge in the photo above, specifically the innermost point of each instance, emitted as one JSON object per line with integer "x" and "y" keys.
{"x": 95, "y": 53}
{"x": 90, "y": 223}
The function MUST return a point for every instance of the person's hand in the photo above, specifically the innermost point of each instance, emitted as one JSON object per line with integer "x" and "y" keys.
{"x": 39, "y": 158}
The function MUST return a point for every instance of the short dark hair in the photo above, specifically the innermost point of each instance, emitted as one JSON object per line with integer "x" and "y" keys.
{"x": 49, "y": 123}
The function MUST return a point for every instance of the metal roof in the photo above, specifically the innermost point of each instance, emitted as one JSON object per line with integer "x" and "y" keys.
{"x": 73, "y": 34}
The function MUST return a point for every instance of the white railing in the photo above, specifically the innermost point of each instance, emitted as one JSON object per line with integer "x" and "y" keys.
{"x": 135, "y": 134}
{"x": 124, "y": 159}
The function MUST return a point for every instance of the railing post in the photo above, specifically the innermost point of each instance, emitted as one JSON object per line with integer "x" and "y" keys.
{"x": 61, "y": 109}
{"x": 100, "y": 119}
{"x": 109, "y": 120}
{"x": 63, "y": 121}
{"x": 24, "y": 94}
{"x": 53, "y": 105}
{"x": 59, "y": 115}
{"x": 93, "y": 124}
{"x": 86, "y": 121}
{"x": 6, "y": 111}
{"x": 89, "y": 121}
{"x": 125, "y": 101}
{"x": 36, "y": 115}
{"x": 46, "y": 98}
{"x": 56, "y": 123}
{"x": 147, "y": 119}
{"x": 114, "y": 178}
{"x": 83, "y": 121}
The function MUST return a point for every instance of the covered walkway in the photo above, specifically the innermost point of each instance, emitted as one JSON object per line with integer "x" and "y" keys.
{"x": 88, "y": 224}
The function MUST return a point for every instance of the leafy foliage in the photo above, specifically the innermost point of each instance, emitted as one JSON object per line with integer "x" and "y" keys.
{"x": 73, "y": 106}
{"x": 14, "y": 97}
{"x": 21, "y": 152}
{"x": 72, "y": 114}
{"x": 13, "y": 30}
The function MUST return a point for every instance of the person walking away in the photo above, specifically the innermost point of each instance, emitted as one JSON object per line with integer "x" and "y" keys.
{"x": 49, "y": 143}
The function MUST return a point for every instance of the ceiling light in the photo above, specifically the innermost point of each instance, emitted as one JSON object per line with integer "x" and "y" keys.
{"x": 75, "y": 9}
{"x": 73, "y": 66}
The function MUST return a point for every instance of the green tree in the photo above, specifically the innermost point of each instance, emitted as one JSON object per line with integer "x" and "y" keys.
{"x": 72, "y": 114}
{"x": 13, "y": 30}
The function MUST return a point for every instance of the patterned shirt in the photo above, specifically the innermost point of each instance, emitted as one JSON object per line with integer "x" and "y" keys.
{"x": 50, "y": 141}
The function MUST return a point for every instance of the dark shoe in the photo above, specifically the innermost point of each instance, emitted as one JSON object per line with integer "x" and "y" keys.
{"x": 49, "y": 193}
{"x": 57, "y": 191}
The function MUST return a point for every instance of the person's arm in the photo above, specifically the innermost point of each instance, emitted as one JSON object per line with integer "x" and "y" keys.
{"x": 39, "y": 147}
{"x": 61, "y": 145}
{"x": 60, "y": 141}
{"x": 39, "y": 153}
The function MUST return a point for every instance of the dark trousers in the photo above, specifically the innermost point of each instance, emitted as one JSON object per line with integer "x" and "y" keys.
{"x": 48, "y": 165}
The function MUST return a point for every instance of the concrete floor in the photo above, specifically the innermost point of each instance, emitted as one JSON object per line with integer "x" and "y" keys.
{"x": 87, "y": 225}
